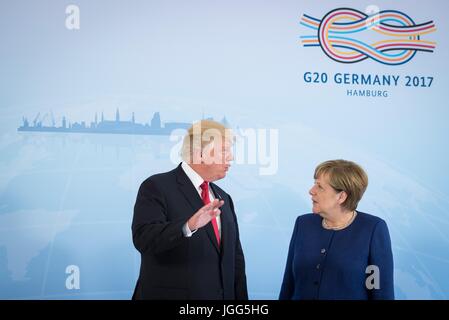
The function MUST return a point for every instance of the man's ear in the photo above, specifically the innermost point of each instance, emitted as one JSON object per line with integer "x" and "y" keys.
{"x": 197, "y": 156}
{"x": 208, "y": 153}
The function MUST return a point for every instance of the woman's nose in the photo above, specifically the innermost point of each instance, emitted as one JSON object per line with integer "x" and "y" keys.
{"x": 311, "y": 191}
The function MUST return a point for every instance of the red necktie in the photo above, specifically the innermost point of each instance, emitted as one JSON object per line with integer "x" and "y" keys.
{"x": 206, "y": 200}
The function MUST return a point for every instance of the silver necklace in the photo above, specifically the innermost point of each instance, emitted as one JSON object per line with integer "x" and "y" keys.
{"x": 326, "y": 226}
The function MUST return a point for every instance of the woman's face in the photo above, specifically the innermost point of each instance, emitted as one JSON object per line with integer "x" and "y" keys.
{"x": 324, "y": 198}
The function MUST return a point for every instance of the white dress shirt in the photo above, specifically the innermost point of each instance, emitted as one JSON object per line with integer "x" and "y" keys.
{"x": 197, "y": 181}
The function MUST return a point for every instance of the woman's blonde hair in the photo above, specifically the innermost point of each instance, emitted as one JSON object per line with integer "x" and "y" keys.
{"x": 345, "y": 176}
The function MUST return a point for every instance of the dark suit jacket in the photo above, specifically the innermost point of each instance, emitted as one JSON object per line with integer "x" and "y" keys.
{"x": 177, "y": 267}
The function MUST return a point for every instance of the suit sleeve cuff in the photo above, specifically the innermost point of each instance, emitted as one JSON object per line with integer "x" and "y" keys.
{"x": 186, "y": 230}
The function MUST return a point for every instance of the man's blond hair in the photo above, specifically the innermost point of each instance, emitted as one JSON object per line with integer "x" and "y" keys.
{"x": 201, "y": 134}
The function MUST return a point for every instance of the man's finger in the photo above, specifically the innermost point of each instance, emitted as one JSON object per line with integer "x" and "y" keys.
{"x": 208, "y": 206}
{"x": 214, "y": 213}
{"x": 218, "y": 204}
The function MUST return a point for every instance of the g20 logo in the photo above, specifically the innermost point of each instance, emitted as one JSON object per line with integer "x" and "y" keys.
{"x": 348, "y": 36}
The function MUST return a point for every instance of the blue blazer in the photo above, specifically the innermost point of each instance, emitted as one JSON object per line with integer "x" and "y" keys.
{"x": 328, "y": 264}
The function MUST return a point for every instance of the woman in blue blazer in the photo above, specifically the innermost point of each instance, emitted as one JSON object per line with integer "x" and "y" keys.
{"x": 338, "y": 252}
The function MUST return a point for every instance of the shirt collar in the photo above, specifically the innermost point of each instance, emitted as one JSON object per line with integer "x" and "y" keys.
{"x": 192, "y": 175}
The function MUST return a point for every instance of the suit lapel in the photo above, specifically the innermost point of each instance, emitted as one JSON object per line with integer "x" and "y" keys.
{"x": 188, "y": 190}
{"x": 224, "y": 218}
{"x": 211, "y": 234}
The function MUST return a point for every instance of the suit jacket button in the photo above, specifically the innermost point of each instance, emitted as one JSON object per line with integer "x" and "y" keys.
{"x": 323, "y": 251}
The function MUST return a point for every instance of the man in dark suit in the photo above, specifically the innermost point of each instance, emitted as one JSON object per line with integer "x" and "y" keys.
{"x": 185, "y": 226}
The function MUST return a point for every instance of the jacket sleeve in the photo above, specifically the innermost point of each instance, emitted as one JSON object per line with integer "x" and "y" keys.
{"x": 152, "y": 231}
{"x": 288, "y": 283}
{"x": 381, "y": 256}
{"x": 241, "y": 291}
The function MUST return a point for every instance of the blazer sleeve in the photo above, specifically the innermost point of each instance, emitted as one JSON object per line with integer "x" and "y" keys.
{"x": 288, "y": 283}
{"x": 152, "y": 231}
{"x": 240, "y": 287}
{"x": 381, "y": 256}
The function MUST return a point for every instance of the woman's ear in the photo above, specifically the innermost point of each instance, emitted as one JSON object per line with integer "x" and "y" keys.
{"x": 342, "y": 197}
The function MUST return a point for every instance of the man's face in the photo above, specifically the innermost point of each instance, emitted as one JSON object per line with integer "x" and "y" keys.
{"x": 216, "y": 159}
